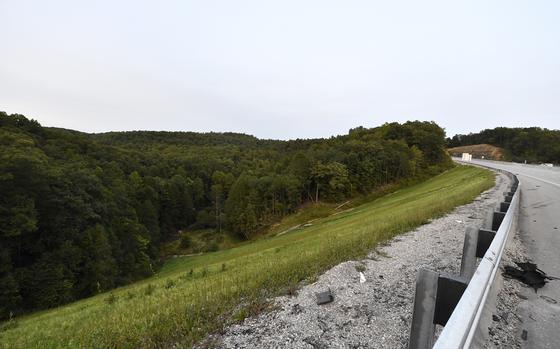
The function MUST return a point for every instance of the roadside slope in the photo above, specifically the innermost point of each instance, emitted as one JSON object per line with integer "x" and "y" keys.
{"x": 193, "y": 296}
{"x": 376, "y": 313}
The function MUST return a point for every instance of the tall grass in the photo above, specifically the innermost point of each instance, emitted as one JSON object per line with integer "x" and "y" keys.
{"x": 193, "y": 296}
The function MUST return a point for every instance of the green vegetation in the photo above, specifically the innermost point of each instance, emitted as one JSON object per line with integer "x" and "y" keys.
{"x": 81, "y": 214}
{"x": 199, "y": 241}
{"x": 192, "y": 296}
{"x": 532, "y": 144}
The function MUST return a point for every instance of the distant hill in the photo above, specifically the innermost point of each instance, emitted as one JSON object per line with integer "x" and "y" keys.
{"x": 478, "y": 151}
{"x": 531, "y": 144}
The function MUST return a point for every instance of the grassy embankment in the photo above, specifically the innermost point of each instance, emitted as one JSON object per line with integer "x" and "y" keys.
{"x": 193, "y": 296}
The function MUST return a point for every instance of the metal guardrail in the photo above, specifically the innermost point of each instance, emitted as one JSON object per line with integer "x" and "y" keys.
{"x": 462, "y": 325}
{"x": 458, "y": 302}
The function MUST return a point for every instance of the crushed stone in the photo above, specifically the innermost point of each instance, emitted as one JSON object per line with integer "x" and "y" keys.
{"x": 506, "y": 331}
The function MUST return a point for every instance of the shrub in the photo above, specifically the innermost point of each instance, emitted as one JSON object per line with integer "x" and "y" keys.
{"x": 169, "y": 284}
{"x": 186, "y": 241}
{"x": 110, "y": 299}
{"x": 148, "y": 290}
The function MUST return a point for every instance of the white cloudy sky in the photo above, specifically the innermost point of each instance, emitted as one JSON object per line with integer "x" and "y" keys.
{"x": 280, "y": 69}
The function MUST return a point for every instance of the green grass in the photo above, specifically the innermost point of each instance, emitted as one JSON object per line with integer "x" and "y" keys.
{"x": 192, "y": 296}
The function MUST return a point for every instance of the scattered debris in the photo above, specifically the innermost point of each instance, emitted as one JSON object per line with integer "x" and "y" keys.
{"x": 522, "y": 296}
{"x": 549, "y": 299}
{"x": 495, "y": 317}
{"x": 362, "y": 278}
{"x": 529, "y": 274}
{"x": 458, "y": 221}
{"x": 324, "y": 297}
{"x": 296, "y": 309}
{"x": 289, "y": 230}
{"x": 360, "y": 267}
{"x": 343, "y": 204}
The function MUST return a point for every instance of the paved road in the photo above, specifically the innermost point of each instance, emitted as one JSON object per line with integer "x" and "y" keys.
{"x": 539, "y": 225}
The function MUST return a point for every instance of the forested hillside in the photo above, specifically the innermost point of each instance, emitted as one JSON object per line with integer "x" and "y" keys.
{"x": 81, "y": 213}
{"x": 533, "y": 144}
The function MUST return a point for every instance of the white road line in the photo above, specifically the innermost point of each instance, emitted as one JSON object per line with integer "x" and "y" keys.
{"x": 540, "y": 179}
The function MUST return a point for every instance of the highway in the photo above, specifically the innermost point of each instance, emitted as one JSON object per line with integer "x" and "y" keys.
{"x": 539, "y": 229}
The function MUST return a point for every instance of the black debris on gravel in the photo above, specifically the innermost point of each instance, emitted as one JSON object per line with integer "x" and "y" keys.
{"x": 324, "y": 297}
{"x": 528, "y": 273}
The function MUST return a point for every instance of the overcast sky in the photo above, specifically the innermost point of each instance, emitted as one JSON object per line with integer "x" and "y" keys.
{"x": 280, "y": 69}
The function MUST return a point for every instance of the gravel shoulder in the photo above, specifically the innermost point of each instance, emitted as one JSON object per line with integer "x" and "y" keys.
{"x": 378, "y": 312}
{"x": 504, "y": 324}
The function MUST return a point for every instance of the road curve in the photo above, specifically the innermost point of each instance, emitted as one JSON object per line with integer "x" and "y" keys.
{"x": 539, "y": 228}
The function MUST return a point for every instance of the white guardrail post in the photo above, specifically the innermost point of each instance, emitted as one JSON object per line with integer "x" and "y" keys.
{"x": 464, "y": 322}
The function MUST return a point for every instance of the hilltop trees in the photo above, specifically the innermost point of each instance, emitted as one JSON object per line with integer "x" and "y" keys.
{"x": 531, "y": 144}
{"x": 81, "y": 214}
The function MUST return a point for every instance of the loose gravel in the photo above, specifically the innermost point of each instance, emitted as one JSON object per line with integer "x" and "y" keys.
{"x": 504, "y": 330}
{"x": 378, "y": 312}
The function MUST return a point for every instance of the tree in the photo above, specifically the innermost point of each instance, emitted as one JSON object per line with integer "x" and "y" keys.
{"x": 99, "y": 268}
{"x": 83, "y": 213}
{"x": 221, "y": 184}
{"x": 331, "y": 180}
{"x": 239, "y": 210}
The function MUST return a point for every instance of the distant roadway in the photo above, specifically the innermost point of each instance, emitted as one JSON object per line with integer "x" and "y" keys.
{"x": 539, "y": 228}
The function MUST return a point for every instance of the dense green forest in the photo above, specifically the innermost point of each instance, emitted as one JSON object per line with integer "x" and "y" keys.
{"x": 84, "y": 213}
{"x": 533, "y": 144}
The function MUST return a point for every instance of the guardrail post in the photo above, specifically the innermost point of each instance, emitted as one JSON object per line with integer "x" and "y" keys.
{"x": 475, "y": 246}
{"x": 468, "y": 260}
{"x": 435, "y": 298}
{"x": 504, "y": 206}
{"x": 423, "y": 327}
{"x": 488, "y": 219}
{"x": 484, "y": 239}
{"x": 449, "y": 291}
{"x": 497, "y": 219}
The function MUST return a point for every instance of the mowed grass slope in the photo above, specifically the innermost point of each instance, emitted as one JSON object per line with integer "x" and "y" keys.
{"x": 193, "y": 296}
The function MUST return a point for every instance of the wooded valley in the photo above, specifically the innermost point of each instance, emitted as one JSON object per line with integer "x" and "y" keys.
{"x": 83, "y": 213}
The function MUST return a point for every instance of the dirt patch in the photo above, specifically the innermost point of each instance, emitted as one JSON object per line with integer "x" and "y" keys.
{"x": 489, "y": 152}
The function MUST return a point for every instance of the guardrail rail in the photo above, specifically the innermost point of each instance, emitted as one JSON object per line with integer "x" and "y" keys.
{"x": 458, "y": 302}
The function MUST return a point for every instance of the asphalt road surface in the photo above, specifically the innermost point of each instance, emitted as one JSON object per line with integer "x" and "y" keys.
{"x": 539, "y": 227}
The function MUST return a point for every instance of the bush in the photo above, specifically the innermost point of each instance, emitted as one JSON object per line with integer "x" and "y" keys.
{"x": 148, "y": 290}
{"x": 169, "y": 284}
{"x": 110, "y": 299}
{"x": 186, "y": 241}
{"x": 130, "y": 295}
{"x": 212, "y": 247}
